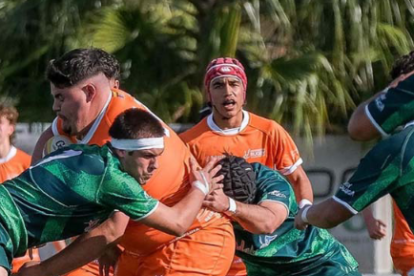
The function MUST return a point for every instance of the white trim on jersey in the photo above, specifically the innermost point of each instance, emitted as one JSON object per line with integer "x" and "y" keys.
{"x": 375, "y": 124}
{"x": 291, "y": 169}
{"x": 149, "y": 213}
{"x": 346, "y": 205}
{"x": 233, "y": 131}
{"x": 54, "y": 127}
{"x": 166, "y": 131}
{"x": 409, "y": 124}
{"x": 10, "y": 155}
{"x": 96, "y": 123}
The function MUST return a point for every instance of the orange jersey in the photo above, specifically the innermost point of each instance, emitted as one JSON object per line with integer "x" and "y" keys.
{"x": 168, "y": 184}
{"x": 402, "y": 243}
{"x": 257, "y": 140}
{"x": 11, "y": 166}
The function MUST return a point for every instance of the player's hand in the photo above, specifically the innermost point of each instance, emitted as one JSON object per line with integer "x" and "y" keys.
{"x": 299, "y": 223}
{"x": 377, "y": 229}
{"x": 205, "y": 179}
{"x": 217, "y": 201}
{"x": 108, "y": 260}
{"x": 31, "y": 268}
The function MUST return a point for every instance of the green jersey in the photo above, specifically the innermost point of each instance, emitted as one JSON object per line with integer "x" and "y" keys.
{"x": 393, "y": 108}
{"x": 66, "y": 194}
{"x": 287, "y": 247}
{"x": 387, "y": 169}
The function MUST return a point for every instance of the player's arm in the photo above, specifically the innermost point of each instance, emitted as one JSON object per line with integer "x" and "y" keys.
{"x": 38, "y": 150}
{"x": 177, "y": 219}
{"x": 326, "y": 214}
{"x": 301, "y": 185}
{"x": 86, "y": 248}
{"x": 263, "y": 218}
{"x": 360, "y": 127}
{"x": 376, "y": 228}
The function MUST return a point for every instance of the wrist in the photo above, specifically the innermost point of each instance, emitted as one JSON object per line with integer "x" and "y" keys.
{"x": 304, "y": 214}
{"x": 198, "y": 185}
{"x": 304, "y": 202}
{"x": 231, "y": 210}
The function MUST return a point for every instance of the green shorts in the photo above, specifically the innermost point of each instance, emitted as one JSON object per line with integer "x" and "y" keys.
{"x": 6, "y": 255}
{"x": 337, "y": 262}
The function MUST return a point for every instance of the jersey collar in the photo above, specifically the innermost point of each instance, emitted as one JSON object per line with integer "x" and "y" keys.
{"x": 96, "y": 123}
{"x": 409, "y": 124}
{"x": 232, "y": 131}
{"x": 10, "y": 155}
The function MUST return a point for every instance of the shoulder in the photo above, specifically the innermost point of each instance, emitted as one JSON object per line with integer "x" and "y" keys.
{"x": 195, "y": 132}
{"x": 23, "y": 157}
{"x": 264, "y": 124}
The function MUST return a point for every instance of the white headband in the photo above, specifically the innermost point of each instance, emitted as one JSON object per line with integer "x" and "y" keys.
{"x": 138, "y": 144}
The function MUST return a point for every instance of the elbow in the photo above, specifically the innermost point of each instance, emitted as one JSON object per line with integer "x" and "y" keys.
{"x": 355, "y": 133}
{"x": 113, "y": 234}
{"x": 266, "y": 228}
{"x": 178, "y": 229}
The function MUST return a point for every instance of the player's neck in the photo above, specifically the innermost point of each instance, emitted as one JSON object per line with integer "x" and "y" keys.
{"x": 228, "y": 123}
{"x": 95, "y": 111}
{"x": 4, "y": 149}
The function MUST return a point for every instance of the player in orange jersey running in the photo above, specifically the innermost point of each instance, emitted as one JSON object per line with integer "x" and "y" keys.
{"x": 13, "y": 161}
{"x": 86, "y": 104}
{"x": 230, "y": 129}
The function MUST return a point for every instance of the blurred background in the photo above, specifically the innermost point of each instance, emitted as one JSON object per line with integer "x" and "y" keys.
{"x": 308, "y": 62}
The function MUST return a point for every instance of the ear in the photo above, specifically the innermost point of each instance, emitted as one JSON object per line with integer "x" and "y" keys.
{"x": 120, "y": 153}
{"x": 116, "y": 84}
{"x": 90, "y": 91}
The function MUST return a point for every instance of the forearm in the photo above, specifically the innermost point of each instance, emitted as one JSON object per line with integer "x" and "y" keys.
{"x": 259, "y": 219}
{"x": 327, "y": 214}
{"x": 177, "y": 219}
{"x": 86, "y": 247}
{"x": 301, "y": 185}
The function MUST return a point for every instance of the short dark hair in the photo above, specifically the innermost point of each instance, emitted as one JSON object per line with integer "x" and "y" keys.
{"x": 80, "y": 64}
{"x": 134, "y": 124}
{"x": 403, "y": 65}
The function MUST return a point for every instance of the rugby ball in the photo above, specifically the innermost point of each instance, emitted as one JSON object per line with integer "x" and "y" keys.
{"x": 55, "y": 143}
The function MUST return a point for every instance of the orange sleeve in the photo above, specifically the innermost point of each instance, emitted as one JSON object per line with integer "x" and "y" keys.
{"x": 285, "y": 153}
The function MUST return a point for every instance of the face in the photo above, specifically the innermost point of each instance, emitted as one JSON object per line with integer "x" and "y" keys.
{"x": 227, "y": 97}
{"x": 141, "y": 164}
{"x": 6, "y": 129}
{"x": 71, "y": 105}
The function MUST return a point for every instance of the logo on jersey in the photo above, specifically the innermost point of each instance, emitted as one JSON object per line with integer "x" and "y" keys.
{"x": 256, "y": 153}
{"x": 346, "y": 189}
{"x": 265, "y": 240}
{"x": 379, "y": 102}
{"x": 277, "y": 194}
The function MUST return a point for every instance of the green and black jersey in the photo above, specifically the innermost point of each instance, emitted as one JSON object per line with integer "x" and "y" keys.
{"x": 393, "y": 108}
{"x": 67, "y": 193}
{"x": 387, "y": 169}
{"x": 288, "y": 250}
